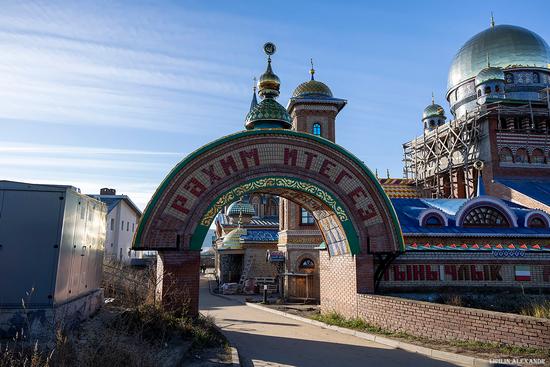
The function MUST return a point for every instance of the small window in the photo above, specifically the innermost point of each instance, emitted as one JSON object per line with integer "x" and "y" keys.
{"x": 316, "y": 129}
{"x": 82, "y": 212}
{"x": 307, "y": 264}
{"x": 307, "y": 218}
{"x": 133, "y": 227}
{"x": 536, "y": 223}
{"x": 536, "y": 78}
{"x": 479, "y": 92}
{"x": 433, "y": 221}
{"x": 122, "y": 226}
{"x": 111, "y": 244}
{"x": 112, "y": 224}
{"x": 497, "y": 89}
{"x": 487, "y": 90}
{"x": 127, "y": 226}
{"x": 432, "y": 124}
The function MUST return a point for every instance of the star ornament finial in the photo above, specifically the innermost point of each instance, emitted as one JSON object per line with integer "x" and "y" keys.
{"x": 269, "y": 48}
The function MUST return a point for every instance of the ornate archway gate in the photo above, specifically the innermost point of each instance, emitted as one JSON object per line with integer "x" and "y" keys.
{"x": 354, "y": 214}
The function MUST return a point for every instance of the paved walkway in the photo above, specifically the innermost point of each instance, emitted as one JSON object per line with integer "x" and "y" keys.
{"x": 266, "y": 339}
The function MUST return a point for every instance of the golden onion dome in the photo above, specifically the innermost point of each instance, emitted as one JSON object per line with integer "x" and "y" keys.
{"x": 269, "y": 83}
{"x": 507, "y": 45}
{"x": 488, "y": 74}
{"x": 312, "y": 88}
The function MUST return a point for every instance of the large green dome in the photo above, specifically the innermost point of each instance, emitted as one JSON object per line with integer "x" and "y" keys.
{"x": 506, "y": 46}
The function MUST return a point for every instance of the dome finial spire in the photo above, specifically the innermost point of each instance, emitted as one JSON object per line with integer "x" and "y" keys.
{"x": 488, "y": 61}
{"x": 433, "y": 99}
{"x": 492, "y": 20}
{"x": 312, "y": 70}
{"x": 254, "y": 101}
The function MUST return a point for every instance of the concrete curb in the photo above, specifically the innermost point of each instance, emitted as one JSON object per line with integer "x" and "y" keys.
{"x": 433, "y": 353}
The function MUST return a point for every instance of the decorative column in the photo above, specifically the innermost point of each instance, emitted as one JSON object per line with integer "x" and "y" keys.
{"x": 178, "y": 280}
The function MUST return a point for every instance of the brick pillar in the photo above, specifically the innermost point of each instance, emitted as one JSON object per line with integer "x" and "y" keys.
{"x": 178, "y": 280}
{"x": 365, "y": 273}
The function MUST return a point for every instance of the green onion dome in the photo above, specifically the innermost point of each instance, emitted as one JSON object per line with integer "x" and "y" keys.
{"x": 268, "y": 114}
{"x": 488, "y": 74}
{"x": 433, "y": 110}
{"x": 239, "y": 208}
{"x": 232, "y": 240}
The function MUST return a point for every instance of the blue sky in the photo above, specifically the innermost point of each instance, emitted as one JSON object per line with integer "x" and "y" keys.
{"x": 100, "y": 93}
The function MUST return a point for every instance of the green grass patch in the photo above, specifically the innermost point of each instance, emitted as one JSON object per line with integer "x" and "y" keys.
{"x": 336, "y": 319}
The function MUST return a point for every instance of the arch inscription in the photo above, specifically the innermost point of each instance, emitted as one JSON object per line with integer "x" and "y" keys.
{"x": 334, "y": 185}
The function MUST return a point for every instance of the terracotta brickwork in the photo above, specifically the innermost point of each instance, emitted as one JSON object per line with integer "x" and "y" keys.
{"x": 438, "y": 321}
{"x": 178, "y": 279}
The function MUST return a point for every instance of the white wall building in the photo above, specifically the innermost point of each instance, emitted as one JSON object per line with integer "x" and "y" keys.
{"x": 122, "y": 219}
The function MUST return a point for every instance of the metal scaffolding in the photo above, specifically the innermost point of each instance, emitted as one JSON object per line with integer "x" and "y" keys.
{"x": 441, "y": 161}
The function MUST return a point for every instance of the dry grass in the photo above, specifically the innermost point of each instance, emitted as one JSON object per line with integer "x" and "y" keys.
{"x": 541, "y": 310}
{"x": 133, "y": 330}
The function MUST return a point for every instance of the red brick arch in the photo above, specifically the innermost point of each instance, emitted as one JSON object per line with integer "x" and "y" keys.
{"x": 335, "y": 186}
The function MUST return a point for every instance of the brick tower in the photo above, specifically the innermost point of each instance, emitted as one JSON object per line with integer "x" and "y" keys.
{"x": 313, "y": 109}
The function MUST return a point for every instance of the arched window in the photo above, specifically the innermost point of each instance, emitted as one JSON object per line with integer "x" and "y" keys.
{"x": 536, "y": 222}
{"x": 307, "y": 263}
{"x": 497, "y": 89}
{"x": 316, "y": 130}
{"x": 537, "y": 156}
{"x": 521, "y": 156}
{"x": 536, "y": 78}
{"x": 485, "y": 216}
{"x": 487, "y": 90}
{"x": 506, "y": 155}
{"x": 306, "y": 217}
{"x": 433, "y": 221}
{"x": 479, "y": 92}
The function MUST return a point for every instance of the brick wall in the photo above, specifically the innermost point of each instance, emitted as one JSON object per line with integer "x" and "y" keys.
{"x": 178, "y": 283}
{"x": 450, "y": 322}
{"x": 338, "y": 286}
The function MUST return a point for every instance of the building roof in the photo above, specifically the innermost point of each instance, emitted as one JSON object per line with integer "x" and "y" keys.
{"x": 536, "y": 188}
{"x": 399, "y": 187}
{"x": 410, "y": 210}
{"x": 261, "y": 235}
{"x": 113, "y": 200}
{"x": 225, "y": 221}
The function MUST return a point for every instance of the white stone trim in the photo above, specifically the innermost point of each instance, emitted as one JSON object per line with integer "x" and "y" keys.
{"x": 440, "y": 213}
{"x": 537, "y": 212}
